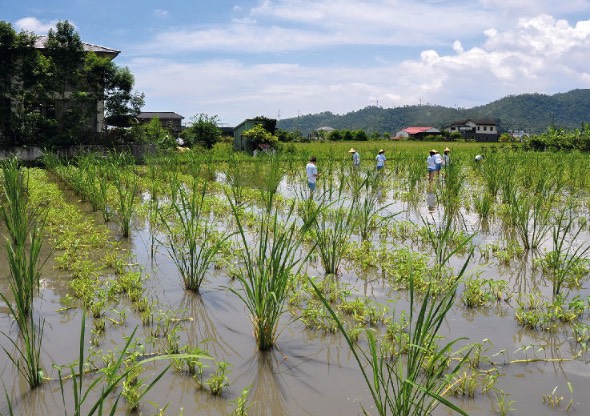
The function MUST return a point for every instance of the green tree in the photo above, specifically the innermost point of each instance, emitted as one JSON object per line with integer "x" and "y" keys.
{"x": 347, "y": 135}
{"x": 52, "y": 95}
{"x": 335, "y": 136}
{"x": 203, "y": 131}
{"x": 360, "y": 135}
{"x": 20, "y": 70}
{"x": 259, "y": 135}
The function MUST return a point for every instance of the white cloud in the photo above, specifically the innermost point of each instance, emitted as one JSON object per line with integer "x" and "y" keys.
{"x": 32, "y": 24}
{"x": 303, "y": 24}
{"x": 161, "y": 13}
{"x": 462, "y": 67}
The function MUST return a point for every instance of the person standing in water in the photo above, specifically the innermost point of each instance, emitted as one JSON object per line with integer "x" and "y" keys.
{"x": 356, "y": 158}
{"x": 380, "y": 159}
{"x": 311, "y": 171}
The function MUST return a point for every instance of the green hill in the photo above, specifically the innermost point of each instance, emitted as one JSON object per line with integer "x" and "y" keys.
{"x": 532, "y": 113}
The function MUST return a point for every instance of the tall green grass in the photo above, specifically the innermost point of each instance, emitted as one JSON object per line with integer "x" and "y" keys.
{"x": 24, "y": 239}
{"x": 192, "y": 241}
{"x": 23, "y": 249}
{"x": 127, "y": 188}
{"x": 412, "y": 384}
{"x": 370, "y": 213}
{"x": 567, "y": 254}
{"x": 270, "y": 259}
{"x": 334, "y": 225}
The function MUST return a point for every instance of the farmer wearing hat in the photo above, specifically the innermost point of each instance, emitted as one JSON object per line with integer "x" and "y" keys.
{"x": 356, "y": 158}
{"x": 446, "y": 157}
{"x": 381, "y": 159}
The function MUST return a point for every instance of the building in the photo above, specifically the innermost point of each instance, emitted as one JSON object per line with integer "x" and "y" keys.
{"x": 168, "y": 119}
{"x": 481, "y": 130}
{"x": 243, "y": 144}
{"x": 416, "y": 133}
{"x": 96, "y": 124}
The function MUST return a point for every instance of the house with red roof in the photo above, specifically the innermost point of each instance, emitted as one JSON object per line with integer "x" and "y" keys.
{"x": 416, "y": 132}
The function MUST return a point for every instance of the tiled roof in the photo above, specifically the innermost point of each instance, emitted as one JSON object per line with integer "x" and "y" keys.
{"x": 159, "y": 114}
{"x": 480, "y": 121}
{"x": 416, "y": 130}
{"x": 88, "y": 47}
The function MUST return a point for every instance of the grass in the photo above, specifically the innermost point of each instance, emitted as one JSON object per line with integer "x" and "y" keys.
{"x": 24, "y": 224}
{"x": 192, "y": 241}
{"x": 413, "y": 384}
{"x": 268, "y": 266}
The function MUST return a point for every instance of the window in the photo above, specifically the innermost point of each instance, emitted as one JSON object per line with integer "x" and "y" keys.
{"x": 485, "y": 128}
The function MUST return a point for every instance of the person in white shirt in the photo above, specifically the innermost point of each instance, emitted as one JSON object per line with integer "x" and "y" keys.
{"x": 381, "y": 159}
{"x": 356, "y": 158}
{"x": 431, "y": 165}
{"x": 312, "y": 173}
{"x": 438, "y": 162}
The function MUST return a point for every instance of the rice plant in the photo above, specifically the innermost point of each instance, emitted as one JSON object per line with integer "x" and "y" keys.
{"x": 272, "y": 180}
{"x": 192, "y": 241}
{"x": 564, "y": 257}
{"x": 530, "y": 214}
{"x": 333, "y": 226}
{"x": 26, "y": 356}
{"x": 91, "y": 399}
{"x": 413, "y": 384}
{"x": 268, "y": 266}
{"x": 370, "y": 214}
{"x": 127, "y": 188}
{"x": 23, "y": 243}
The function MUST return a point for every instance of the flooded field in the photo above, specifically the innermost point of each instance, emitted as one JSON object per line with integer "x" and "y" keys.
{"x": 125, "y": 254}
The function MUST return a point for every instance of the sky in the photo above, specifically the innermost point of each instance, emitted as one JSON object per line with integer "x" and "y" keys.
{"x": 285, "y": 58}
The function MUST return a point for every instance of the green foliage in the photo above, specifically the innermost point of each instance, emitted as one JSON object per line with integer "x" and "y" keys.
{"x": 49, "y": 96}
{"x": 203, "y": 131}
{"x": 259, "y": 135}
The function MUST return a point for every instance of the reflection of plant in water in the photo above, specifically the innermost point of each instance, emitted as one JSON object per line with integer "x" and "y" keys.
{"x": 582, "y": 335}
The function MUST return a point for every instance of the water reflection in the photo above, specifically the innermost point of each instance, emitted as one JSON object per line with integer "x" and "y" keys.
{"x": 203, "y": 328}
{"x": 267, "y": 391}
{"x": 431, "y": 202}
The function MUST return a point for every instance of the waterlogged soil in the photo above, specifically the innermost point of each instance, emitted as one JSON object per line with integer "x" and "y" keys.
{"x": 309, "y": 372}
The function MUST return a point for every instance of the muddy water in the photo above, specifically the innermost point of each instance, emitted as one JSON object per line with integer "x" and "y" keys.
{"x": 308, "y": 373}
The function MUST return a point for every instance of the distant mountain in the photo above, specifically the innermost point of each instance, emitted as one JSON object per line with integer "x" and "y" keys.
{"x": 532, "y": 113}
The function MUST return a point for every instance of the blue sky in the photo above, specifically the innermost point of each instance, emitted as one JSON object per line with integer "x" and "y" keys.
{"x": 282, "y": 58}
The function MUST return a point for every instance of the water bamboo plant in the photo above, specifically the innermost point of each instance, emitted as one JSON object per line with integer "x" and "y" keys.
{"x": 192, "y": 241}
{"x": 23, "y": 243}
{"x": 413, "y": 384}
{"x": 268, "y": 266}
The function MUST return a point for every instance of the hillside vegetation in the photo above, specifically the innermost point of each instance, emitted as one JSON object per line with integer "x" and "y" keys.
{"x": 533, "y": 113}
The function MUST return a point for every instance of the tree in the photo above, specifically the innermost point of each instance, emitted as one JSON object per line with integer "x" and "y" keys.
{"x": 52, "y": 96}
{"x": 203, "y": 131}
{"x": 20, "y": 69}
{"x": 258, "y": 135}
{"x": 335, "y": 136}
